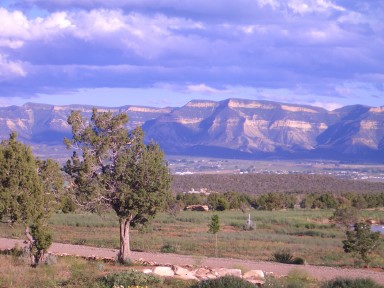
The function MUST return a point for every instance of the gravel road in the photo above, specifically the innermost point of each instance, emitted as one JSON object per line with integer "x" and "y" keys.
{"x": 278, "y": 269}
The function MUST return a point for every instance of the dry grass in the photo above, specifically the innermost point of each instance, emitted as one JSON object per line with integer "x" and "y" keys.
{"x": 306, "y": 233}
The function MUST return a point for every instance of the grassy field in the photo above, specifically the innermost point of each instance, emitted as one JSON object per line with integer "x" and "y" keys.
{"x": 306, "y": 233}
{"x": 68, "y": 272}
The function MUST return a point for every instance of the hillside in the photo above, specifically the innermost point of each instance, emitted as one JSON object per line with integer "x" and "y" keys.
{"x": 233, "y": 128}
{"x": 265, "y": 183}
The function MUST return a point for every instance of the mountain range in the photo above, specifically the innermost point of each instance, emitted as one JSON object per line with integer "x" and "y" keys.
{"x": 232, "y": 128}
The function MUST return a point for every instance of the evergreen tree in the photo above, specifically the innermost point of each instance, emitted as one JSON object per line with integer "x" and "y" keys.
{"x": 29, "y": 191}
{"x": 346, "y": 216}
{"x": 361, "y": 241}
{"x": 214, "y": 228}
{"x": 117, "y": 170}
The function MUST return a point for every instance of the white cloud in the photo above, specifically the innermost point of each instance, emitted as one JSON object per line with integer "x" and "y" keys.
{"x": 327, "y": 105}
{"x": 205, "y": 89}
{"x": 310, "y": 6}
{"x": 10, "y": 69}
{"x": 264, "y": 44}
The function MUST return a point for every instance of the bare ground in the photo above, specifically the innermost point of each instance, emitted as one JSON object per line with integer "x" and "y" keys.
{"x": 278, "y": 269}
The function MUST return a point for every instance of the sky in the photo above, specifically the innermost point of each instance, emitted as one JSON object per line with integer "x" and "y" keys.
{"x": 326, "y": 53}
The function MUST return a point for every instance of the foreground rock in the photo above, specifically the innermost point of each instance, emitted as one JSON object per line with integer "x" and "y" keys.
{"x": 205, "y": 273}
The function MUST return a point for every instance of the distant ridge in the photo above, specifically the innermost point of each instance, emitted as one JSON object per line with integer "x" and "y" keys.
{"x": 232, "y": 128}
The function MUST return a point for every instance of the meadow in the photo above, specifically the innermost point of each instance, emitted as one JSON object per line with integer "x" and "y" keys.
{"x": 305, "y": 233}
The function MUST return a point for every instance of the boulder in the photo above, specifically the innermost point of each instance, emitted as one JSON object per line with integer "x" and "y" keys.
{"x": 254, "y": 274}
{"x": 147, "y": 271}
{"x": 227, "y": 272}
{"x": 164, "y": 271}
{"x": 183, "y": 273}
{"x": 204, "y": 273}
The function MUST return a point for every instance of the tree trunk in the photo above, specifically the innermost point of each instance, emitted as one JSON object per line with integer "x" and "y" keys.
{"x": 125, "y": 250}
{"x": 215, "y": 244}
{"x": 30, "y": 245}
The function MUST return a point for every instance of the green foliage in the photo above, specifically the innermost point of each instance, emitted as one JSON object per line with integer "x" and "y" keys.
{"x": 168, "y": 248}
{"x": 217, "y": 202}
{"x": 283, "y": 256}
{"x": 117, "y": 170}
{"x": 82, "y": 274}
{"x": 130, "y": 278}
{"x": 361, "y": 241}
{"x": 21, "y": 191}
{"x": 214, "y": 228}
{"x": 298, "y": 278}
{"x": 226, "y": 281}
{"x": 214, "y": 225}
{"x": 30, "y": 191}
{"x": 346, "y": 216}
{"x": 298, "y": 261}
{"x": 67, "y": 205}
{"x": 42, "y": 241}
{"x": 319, "y": 200}
{"x": 274, "y": 201}
{"x": 257, "y": 184}
{"x": 351, "y": 283}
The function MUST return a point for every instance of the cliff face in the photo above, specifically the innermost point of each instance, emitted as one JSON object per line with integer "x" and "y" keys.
{"x": 47, "y": 124}
{"x": 229, "y": 128}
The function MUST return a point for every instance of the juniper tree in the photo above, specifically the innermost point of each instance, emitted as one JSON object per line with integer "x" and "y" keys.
{"x": 117, "y": 170}
{"x": 361, "y": 241}
{"x": 29, "y": 192}
{"x": 214, "y": 228}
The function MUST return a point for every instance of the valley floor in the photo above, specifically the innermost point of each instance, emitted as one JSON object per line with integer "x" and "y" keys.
{"x": 278, "y": 269}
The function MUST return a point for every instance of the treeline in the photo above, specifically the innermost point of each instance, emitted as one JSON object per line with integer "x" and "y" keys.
{"x": 264, "y": 183}
{"x": 276, "y": 201}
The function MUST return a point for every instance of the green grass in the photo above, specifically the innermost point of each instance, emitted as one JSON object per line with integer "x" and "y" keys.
{"x": 307, "y": 233}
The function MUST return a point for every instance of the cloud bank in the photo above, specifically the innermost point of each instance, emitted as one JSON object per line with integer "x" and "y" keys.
{"x": 308, "y": 48}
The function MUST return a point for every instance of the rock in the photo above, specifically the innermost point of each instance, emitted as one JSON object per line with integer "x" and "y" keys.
{"x": 254, "y": 274}
{"x": 225, "y": 272}
{"x": 147, "y": 271}
{"x": 183, "y": 273}
{"x": 202, "y": 272}
{"x": 164, "y": 271}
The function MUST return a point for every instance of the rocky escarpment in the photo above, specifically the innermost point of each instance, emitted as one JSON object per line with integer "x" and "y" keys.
{"x": 247, "y": 128}
{"x": 233, "y": 128}
{"x": 47, "y": 124}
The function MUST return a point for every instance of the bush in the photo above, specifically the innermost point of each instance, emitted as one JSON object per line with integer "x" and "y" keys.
{"x": 226, "y": 281}
{"x": 130, "y": 278}
{"x": 351, "y": 283}
{"x": 283, "y": 256}
{"x": 82, "y": 275}
{"x": 168, "y": 248}
{"x": 298, "y": 261}
{"x": 298, "y": 278}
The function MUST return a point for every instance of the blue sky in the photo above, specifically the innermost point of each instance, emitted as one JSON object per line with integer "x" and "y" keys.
{"x": 327, "y": 53}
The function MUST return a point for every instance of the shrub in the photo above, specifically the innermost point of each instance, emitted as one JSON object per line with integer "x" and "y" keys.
{"x": 82, "y": 275}
{"x": 130, "y": 278}
{"x": 351, "y": 283}
{"x": 168, "y": 248}
{"x": 298, "y": 261}
{"x": 361, "y": 241}
{"x": 298, "y": 278}
{"x": 226, "y": 281}
{"x": 283, "y": 256}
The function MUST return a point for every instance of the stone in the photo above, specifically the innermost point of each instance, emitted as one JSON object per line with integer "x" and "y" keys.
{"x": 202, "y": 272}
{"x": 227, "y": 272}
{"x": 254, "y": 274}
{"x": 183, "y": 273}
{"x": 164, "y": 271}
{"x": 147, "y": 271}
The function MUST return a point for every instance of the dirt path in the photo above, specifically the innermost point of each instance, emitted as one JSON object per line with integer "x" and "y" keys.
{"x": 319, "y": 272}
